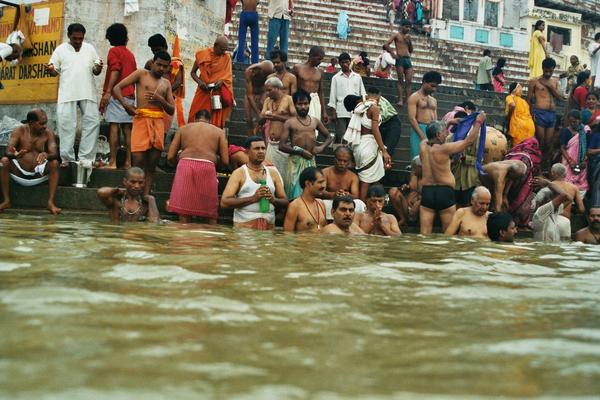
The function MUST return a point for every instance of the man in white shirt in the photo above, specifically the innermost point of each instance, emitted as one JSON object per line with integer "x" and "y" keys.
{"x": 547, "y": 222}
{"x": 280, "y": 13}
{"x": 344, "y": 83}
{"x": 594, "y": 50}
{"x": 76, "y": 62}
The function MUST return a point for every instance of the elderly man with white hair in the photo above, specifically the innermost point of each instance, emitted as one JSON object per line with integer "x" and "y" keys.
{"x": 472, "y": 221}
{"x": 547, "y": 223}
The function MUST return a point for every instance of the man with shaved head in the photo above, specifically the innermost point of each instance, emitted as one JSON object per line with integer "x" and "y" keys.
{"x": 255, "y": 75}
{"x": 215, "y": 78}
{"x": 31, "y": 158}
{"x": 310, "y": 79}
{"x": 472, "y": 221}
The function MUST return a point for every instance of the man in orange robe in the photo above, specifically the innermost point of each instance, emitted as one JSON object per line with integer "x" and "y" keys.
{"x": 214, "y": 64}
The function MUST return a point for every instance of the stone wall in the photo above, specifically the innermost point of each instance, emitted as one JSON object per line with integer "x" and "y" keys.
{"x": 197, "y": 22}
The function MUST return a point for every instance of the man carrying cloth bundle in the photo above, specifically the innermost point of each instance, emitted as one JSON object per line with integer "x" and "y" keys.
{"x": 214, "y": 64}
{"x": 154, "y": 98}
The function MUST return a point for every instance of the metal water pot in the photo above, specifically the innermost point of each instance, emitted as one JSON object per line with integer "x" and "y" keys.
{"x": 215, "y": 101}
{"x": 83, "y": 171}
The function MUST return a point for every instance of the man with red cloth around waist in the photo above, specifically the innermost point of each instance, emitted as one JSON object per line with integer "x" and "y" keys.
{"x": 214, "y": 64}
{"x": 154, "y": 99}
{"x": 195, "y": 187}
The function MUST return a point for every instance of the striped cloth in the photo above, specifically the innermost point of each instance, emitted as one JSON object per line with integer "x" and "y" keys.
{"x": 195, "y": 189}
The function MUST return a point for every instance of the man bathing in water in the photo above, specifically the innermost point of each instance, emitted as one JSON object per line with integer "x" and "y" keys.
{"x": 437, "y": 195}
{"x": 343, "y": 217}
{"x": 307, "y": 212}
{"x": 195, "y": 191}
{"x": 129, "y": 204}
{"x": 374, "y": 221}
{"x": 302, "y": 145}
{"x": 288, "y": 79}
{"x": 422, "y": 110}
{"x": 154, "y": 98}
{"x": 406, "y": 199}
{"x": 591, "y": 234}
{"x": 472, "y": 221}
{"x": 31, "y": 158}
{"x": 341, "y": 181}
{"x": 404, "y": 67}
{"x": 255, "y": 76}
{"x": 310, "y": 79}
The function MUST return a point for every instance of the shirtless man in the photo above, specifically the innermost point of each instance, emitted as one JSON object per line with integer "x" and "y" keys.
{"x": 404, "y": 67}
{"x": 437, "y": 194}
{"x": 195, "y": 192}
{"x": 501, "y": 227}
{"x": 277, "y": 109}
{"x": 472, "y": 221}
{"x": 499, "y": 178}
{"x": 31, "y": 158}
{"x": 406, "y": 199}
{"x": 374, "y": 221}
{"x": 153, "y": 97}
{"x": 545, "y": 89}
{"x": 255, "y": 76}
{"x": 422, "y": 110}
{"x": 278, "y": 58}
{"x": 591, "y": 234}
{"x": 129, "y": 204}
{"x": 343, "y": 217}
{"x": 307, "y": 213}
{"x": 302, "y": 145}
{"x": 341, "y": 181}
{"x": 310, "y": 79}
{"x": 558, "y": 173}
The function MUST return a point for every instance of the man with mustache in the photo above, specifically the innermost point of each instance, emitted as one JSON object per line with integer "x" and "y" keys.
{"x": 591, "y": 234}
{"x": 472, "y": 221}
{"x": 343, "y": 217}
{"x": 307, "y": 212}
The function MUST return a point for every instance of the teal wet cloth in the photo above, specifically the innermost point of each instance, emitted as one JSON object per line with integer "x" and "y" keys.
{"x": 343, "y": 25}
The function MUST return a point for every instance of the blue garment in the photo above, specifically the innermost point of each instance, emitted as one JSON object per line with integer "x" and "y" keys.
{"x": 544, "y": 118}
{"x": 343, "y": 25}
{"x": 419, "y": 13}
{"x": 248, "y": 19}
{"x": 461, "y": 130}
{"x": 278, "y": 28}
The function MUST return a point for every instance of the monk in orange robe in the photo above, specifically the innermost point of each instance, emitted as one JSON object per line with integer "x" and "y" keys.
{"x": 214, "y": 64}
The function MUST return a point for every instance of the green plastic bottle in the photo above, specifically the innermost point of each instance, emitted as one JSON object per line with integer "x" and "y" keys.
{"x": 263, "y": 203}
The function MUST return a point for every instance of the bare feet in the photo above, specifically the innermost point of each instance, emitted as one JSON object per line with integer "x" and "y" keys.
{"x": 53, "y": 209}
{"x": 4, "y": 205}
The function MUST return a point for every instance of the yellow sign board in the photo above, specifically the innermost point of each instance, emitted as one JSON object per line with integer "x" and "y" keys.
{"x": 28, "y": 82}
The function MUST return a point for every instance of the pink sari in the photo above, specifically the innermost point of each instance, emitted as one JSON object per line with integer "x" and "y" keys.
{"x": 580, "y": 179}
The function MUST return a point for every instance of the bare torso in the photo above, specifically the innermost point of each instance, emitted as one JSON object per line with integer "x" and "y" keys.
{"x": 471, "y": 224}
{"x": 366, "y": 222}
{"x": 436, "y": 166}
{"x": 402, "y": 43}
{"x": 311, "y": 215}
{"x": 333, "y": 228}
{"x": 149, "y": 84}
{"x": 426, "y": 107}
{"x": 308, "y": 77}
{"x": 23, "y": 139}
{"x": 282, "y": 107}
{"x": 249, "y": 5}
{"x": 303, "y": 135}
{"x": 200, "y": 140}
{"x": 289, "y": 81}
{"x": 338, "y": 181}
{"x": 585, "y": 235}
{"x": 572, "y": 191}
{"x": 544, "y": 99}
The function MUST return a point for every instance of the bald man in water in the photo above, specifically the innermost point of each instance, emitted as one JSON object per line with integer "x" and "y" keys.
{"x": 255, "y": 76}
{"x": 472, "y": 221}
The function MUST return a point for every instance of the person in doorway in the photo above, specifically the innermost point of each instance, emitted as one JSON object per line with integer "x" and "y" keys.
{"x": 307, "y": 212}
{"x": 343, "y": 217}
{"x": 31, "y": 158}
{"x": 248, "y": 19}
{"x": 537, "y": 50}
{"x": 403, "y": 48}
{"x": 310, "y": 79}
{"x": 472, "y": 221}
{"x": 154, "y": 98}
{"x": 422, "y": 110}
{"x": 374, "y": 221}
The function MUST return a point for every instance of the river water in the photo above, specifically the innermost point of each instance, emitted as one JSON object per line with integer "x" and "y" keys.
{"x": 90, "y": 310}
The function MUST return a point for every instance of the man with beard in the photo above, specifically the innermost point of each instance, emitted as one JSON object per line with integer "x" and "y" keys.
{"x": 128, "y": 204}
{"x": 255, "y": 76}
{"x": 310, "y": 79}
{"x": 472, "y": 221}
{"x": 374, "y": 221}
{"x": 343, "y": 217}
{"x": 278, "y": 58}
{"x": 307, "y": 212}
{"x": 591, "y": 234}
{"x": 154, "y": 98}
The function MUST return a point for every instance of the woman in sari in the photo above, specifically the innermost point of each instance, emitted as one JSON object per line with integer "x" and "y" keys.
{"x": 537, "y": 50}
{"x": 573, "y": 146}
{"x": 518, "y": 115}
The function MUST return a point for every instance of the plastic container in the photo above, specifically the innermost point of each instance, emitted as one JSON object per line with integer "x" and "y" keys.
{"x": 263, "y": 203}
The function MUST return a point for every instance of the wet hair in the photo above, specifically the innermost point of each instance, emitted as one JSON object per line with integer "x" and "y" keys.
{"x": 117, "y": 34}
{"x": 468, "y": 105}
{"x": 344, "y": 57}
{"x": 134, "y": 171}
{"x": 279, "y": 54}
{"x": 76, "y": 27}
{"x": 300, "y": 94}
{"x": 342, "y": 199}
{"x": 434, "y": 128}
{"x": 487, "y": 52}
{"x": 316, "y": 51}
{"x": 558, "y": 170}
{"x": 375, "y": 191}
{"x": 309, "y": 174}
{"x": 582, "y": 77}
{"x": 460, "y": 114}
{"x": 574, "y": 114}
{"x": 512, "y": 87}
{"x": 549, "y": 63}
{"x": 538, "y": 24}
{"x": 351, "y": 101}
{"x": 202, "y": 114}
{"x": 498, "y": 221}
{"x": 157, "y": 40}
{"x": 248, "y": 142}
{"x": 275, "y": 82}
{"x": 373, "y": 90}
{"x": 163, "y": 55}
{"x": 342, "y": 149}
{"x": 432, "y": 77}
